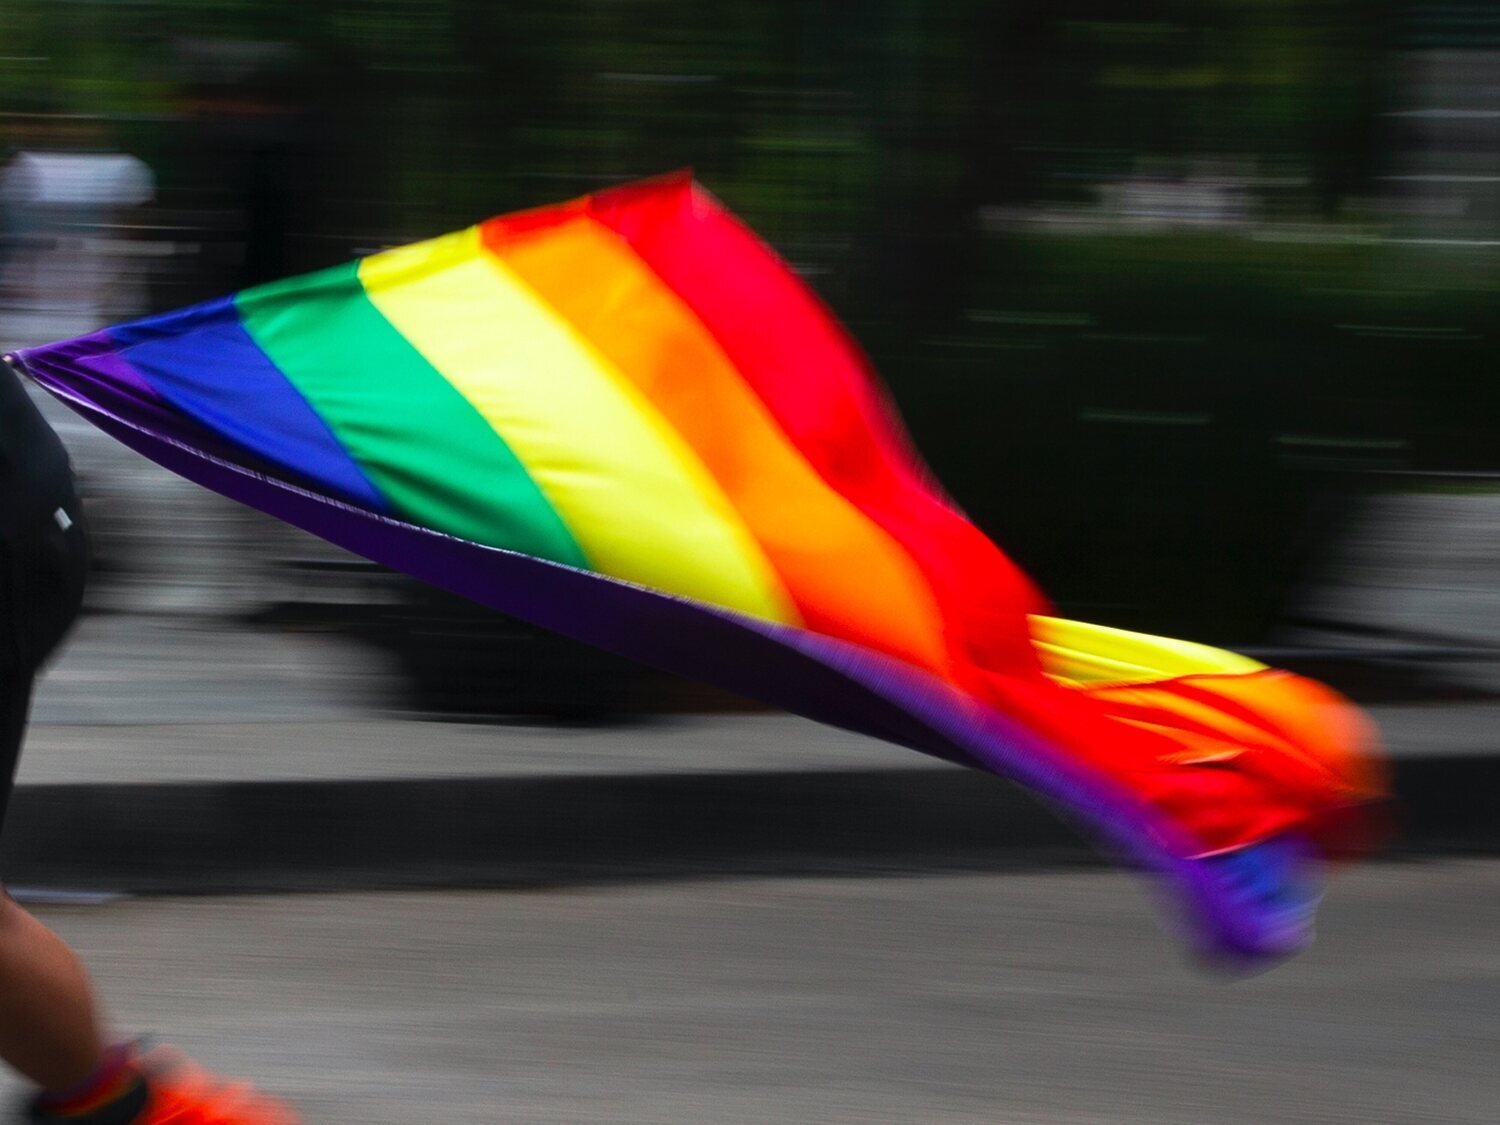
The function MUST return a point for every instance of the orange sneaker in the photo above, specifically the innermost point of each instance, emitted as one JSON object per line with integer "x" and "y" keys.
{"x": 180, "y": 1092}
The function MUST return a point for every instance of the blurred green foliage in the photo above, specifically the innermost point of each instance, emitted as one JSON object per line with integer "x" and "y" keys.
{"x": 1149, "y": 417}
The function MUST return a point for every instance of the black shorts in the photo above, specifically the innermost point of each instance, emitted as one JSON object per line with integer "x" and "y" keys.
{"x": 43, "y": 566}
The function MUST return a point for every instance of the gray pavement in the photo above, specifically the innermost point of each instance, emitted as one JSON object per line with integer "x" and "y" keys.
{"x": 141, "y": 699}
{"x": 154, "y": 698}
{"x": 183, "y": 754}
{"x": 165, "y": 669}
{"x": 177, "y": 754}
{"x": 1023, "y": 999}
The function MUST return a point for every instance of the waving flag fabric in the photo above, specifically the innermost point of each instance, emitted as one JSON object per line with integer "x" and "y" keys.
{"x": 624, "y": 418}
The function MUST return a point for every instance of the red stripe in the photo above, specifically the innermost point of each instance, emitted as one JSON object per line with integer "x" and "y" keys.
{"x": 821, "y": 390}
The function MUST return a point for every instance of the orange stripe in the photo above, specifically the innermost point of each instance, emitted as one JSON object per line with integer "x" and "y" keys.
{"x": 847, "y": 577}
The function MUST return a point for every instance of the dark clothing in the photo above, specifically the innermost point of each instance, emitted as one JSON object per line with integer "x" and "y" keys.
{"x": 15, "y": 704}
{"x": 35, "y": 476}
{"x": 43, "y": 560}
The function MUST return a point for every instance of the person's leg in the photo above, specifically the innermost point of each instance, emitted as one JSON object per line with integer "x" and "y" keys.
{"x": 49, "y": 1025}
{"x": 49, "y": 1022}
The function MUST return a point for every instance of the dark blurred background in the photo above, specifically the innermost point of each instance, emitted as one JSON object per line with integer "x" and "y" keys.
{"x": 1165, "y": 291}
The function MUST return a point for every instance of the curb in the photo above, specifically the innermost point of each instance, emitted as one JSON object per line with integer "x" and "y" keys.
{"x": 201, "y": 838}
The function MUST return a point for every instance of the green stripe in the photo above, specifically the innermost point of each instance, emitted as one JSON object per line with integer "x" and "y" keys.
{"x": 421, "y": 443}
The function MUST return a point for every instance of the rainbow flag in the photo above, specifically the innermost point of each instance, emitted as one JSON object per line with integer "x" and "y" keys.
{"x": 624, "y": 418}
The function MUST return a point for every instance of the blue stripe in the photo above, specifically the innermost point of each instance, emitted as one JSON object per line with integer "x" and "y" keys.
{"x": 204, "y": 363}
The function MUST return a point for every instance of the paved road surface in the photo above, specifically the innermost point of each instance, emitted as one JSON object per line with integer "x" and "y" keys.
{"x": 1020, "y": 998}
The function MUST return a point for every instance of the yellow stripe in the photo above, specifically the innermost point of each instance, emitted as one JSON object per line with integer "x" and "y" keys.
{"x": 1077, "y": 652}
{"x": 632, "y": 493}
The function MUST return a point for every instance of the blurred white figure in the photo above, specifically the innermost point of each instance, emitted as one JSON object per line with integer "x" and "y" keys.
{"x": 70, "y": 269}
{"x": 67, "y": 265}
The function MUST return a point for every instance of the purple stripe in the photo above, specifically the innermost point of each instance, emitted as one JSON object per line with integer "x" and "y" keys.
{"x": 92, "y": 376}
{"x": 93, "y": 363}
{"x": 802, "y": 672}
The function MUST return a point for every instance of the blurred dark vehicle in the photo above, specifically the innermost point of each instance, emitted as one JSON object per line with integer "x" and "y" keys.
{"x": 458, "y": 659}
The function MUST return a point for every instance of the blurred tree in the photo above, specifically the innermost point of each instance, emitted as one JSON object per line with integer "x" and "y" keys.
{"x": 1037, "y": 213}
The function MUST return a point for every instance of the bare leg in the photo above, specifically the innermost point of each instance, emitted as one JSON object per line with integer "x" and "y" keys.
{"x": 49, "y": 1024}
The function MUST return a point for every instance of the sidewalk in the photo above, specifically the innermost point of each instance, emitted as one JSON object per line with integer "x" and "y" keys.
{"x": 172, "y": 756}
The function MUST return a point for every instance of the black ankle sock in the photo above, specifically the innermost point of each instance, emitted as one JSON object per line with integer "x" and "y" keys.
{"x": 119, "y": 1111}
